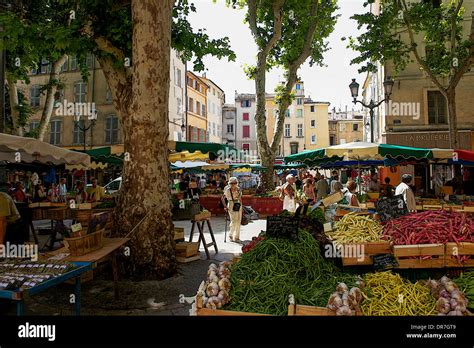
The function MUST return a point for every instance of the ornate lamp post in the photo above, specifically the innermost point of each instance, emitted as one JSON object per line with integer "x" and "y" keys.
{"x": 85, "y": 128}
{"x": 388, "y": 86}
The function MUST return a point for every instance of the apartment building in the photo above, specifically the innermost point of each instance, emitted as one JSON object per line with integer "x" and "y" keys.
{"x": 345, "y": 127}
{"x": 196, "y": 117}
{"x": 215, "y": 103}
{"x": 316, "y": 124}
{"x": 106, "y": 129}
{"x": 245, "y": 132}
{"x": 417, "y": 114}
{"x": 229, "y": 124}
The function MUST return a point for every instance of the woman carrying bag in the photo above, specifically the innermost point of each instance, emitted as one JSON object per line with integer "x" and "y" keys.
{"x": 234, "y": 207}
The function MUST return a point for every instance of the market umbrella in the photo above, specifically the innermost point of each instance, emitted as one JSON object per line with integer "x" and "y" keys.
{"x": 33, "y": 150}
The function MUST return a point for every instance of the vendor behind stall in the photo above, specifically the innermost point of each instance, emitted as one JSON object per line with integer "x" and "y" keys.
{"x": 95, "y": 193}
{"x": 407, "y": 192}
{"x": 350, "y": 195}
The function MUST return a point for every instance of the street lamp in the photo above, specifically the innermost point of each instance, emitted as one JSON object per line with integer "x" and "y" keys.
{"x": 77, "y": 118}
{"x": 183, "y": 127}
{"x": 387, "y": 85}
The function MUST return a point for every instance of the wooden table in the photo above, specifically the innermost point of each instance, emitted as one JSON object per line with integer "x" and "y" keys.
{"x": 110, "y": 248}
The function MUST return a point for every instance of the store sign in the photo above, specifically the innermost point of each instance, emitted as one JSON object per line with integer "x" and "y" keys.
{"x": 428, "y": 139}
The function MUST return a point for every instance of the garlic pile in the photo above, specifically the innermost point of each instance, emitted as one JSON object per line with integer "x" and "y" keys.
{"x": 215, "y": 292}
{"x": 345, "y": 301}
{"x": 451, "y": 301}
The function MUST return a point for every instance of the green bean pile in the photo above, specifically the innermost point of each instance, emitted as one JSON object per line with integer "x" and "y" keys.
{"x": 275, "y": 268}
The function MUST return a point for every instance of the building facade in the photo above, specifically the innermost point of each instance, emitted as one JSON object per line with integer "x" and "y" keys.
{"x": 229, "y": 124}
{"x": 245, "y": 132}
{"x": 106, "y": 129}
{"x": 345, "y": 127}
{"x": 316, "y": 124}
{"x": 215, "y": 103}
{"x": 417, "y": 114}
{"x": 196, "y": 118}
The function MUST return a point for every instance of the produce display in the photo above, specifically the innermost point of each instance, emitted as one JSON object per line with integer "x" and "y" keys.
{"x": 276, "y": 267}
{"x": 386, "y": 294}
{"x": 15, "y": 274}
{"x": 465, "y": 282}
{"x": 345, "y": 302}
{"x": 450, "y": 300}
{"x": 255, "y": 240}
{"x": 429, "y": 227}
{"x": 353, "y": 228}
{"x": 215, "y": 291}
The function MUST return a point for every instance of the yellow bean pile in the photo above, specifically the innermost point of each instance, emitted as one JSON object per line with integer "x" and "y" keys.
{"x": 386, "y": 293}
{"x": 354, "y": 228}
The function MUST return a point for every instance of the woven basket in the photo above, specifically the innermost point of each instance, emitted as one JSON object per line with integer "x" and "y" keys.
{"x": 83, "y": 245}
{"x": 81, "y": 216}
{"x": 56, "y": 214}
{"x": 37, "y": 214}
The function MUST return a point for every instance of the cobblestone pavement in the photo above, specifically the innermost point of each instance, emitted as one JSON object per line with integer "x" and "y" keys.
{"x": 135, "y": 297}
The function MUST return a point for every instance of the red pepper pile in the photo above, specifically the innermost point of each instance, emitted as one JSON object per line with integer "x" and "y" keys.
{"x": 430, "y": 227}
{"x": 248, "y": 247}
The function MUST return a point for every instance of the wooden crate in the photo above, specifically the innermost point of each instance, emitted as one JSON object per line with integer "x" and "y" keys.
{"x": 200, "y": 311}
{"x": 79, "y": 246}
{"x": 432, "y": 207}
{"x": 453, "y": 207}
{"x": 461, "y": 249}
{"x": 182, "y": 259}
{"x": 187, "y": 249}
{"x": 179, "y": 234}
{"x": 303, "y": 310}
{"x": 410, "y": 256}
{"x": 84, "y": 206}
{"x": 370, "y": 249}
{"x": 202, "y": 216}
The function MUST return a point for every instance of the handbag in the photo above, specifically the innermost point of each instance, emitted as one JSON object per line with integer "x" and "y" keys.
{"x": 236, "y": 206}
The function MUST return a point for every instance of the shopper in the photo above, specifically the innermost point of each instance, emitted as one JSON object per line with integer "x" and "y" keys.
{"x": 350, "y": 195}
{"x": 62, "y": 190}
{"x": 308, "y": 190}
{"x": 322, "y": 188}
{"x": 407, "y": 192}
{"x": 387, "y": 190}
{"x": 8, "y": 210}
{"x": 233, "y": 194}
{"x": 19, "y": 195}
{"x": 374, "y": 185}
{"x": 53, "y": 193}
{"x": 336, "y": 185}
{"x": 194, "y": 191}
{"x": 289, "y": 194}
{"x": 39, "y": 193}
{"x": 81, "y": 195}
{"x": 95, "y": 193}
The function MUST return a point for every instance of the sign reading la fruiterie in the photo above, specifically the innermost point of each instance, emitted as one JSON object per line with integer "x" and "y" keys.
{"x": 429, "y": 139}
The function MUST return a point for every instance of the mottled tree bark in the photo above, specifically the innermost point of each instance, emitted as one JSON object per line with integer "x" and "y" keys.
{"x": 13, "y": 98}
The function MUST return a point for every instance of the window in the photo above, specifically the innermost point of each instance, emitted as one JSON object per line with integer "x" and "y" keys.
{"x": 287, "y": 131}
{"x": 219, "y": 130}
{"x": 298, "y": 86}
{"x": 207, "y": 136}
{"x": 45, "y": 66}
{"x": 245, "y": 116}
{"x": 287, "y": 113}
{"x": 355, "y": 127}
{"x": 230, "y": 128}
{"x": 342, "y": 127}
{"x": 202, "y": 136}
{"x": 196, "y": 85}
{"x": 332, "y": 140}
{"x": 198, "y": 107}
{"x": 78, "y": 134}
{"x": 34, "y": 125}
{"x": 35, "y": 95}
{"x": 80, "y": 91}
{"x": 436, "y": 108}
{"x": 312, "y": 108}
{"x": 299, "y": 130}
{"x": 111, "y": 129}
{"x": 245, "y": 103}
{"x": 299, "y": 101}
{"x": 191, "y": 104}
{"x": 203, "y": 110}
{"x": 299, "y": 113}
{"x": 313, "y": 123}
{"x": 245, "y": 131}
{"x": 90, "y": 60}
{"x": 294, "y": 148}
{"x": 55, "y": 132}
{"x": 179, "y": 103}
{"x": 190, "y": 82}
{"x": 313, "y": 139}
{"x": 65, "y": 65}
{"x": 178, "y": 77}
{"x": 194, "y": 134}
{"x": 73, "y": 60}
{"x": 108, "y": 96}
{"x": 246, "y": 147}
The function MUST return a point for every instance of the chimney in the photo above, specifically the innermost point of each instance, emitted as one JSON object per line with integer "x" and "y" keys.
{"x": 204, "y": 75}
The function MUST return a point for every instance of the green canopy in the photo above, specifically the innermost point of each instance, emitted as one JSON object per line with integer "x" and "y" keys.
{"x": 214, "y": 148}
{"x": 405, "y": 152}
{"x": 104, "y": 155}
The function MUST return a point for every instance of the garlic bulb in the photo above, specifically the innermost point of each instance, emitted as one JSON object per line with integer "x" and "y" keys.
{"x": 356, "y": 293}
{"x": 342, "y": 288}
{"x": 224, "y": 284}
{"x": 344, "y": 310}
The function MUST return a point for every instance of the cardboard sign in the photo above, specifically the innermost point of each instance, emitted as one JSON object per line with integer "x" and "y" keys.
{"x": 76, "y": 227}
{"x": 391, "y": 208}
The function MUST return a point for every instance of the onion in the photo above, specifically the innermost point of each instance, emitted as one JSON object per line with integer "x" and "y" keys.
{"x": 342, "y": 288}
{"x": 344, "y": 310}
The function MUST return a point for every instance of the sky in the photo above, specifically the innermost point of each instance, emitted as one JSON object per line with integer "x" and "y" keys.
{"x": 329, "y": 83}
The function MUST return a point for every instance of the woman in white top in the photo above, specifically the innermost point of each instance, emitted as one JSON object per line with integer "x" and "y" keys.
{"x": 407, "y": 192}
{"x": 350, "y": 194}
{"x": 234, "y": 198}
{"x": 289, "y": 194}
